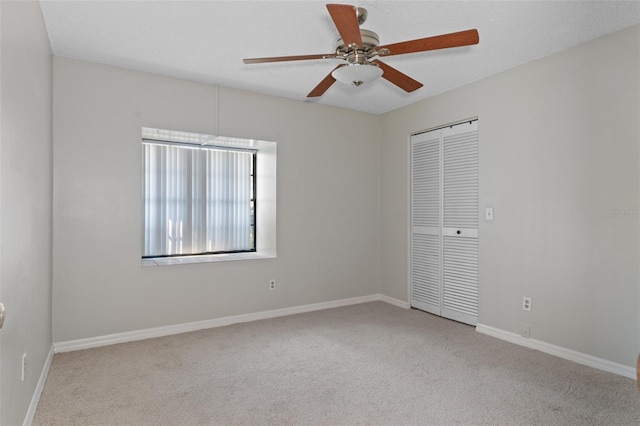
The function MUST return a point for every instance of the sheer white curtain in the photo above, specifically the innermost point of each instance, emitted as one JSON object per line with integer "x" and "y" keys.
{"x": 196, "y": 200}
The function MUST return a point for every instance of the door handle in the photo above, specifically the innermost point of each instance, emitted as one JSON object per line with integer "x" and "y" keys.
{"x": 1, "y": 315}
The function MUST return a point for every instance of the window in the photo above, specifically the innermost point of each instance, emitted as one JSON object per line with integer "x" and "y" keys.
{"x": 200, "y": 195}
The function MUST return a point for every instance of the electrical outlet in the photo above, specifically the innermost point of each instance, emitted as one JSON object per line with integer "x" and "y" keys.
{"x": 525, "y": 330}
{"x": 272, "y": 284}
{"x": 24, "y": 365}
{"x": 526, "y": 303}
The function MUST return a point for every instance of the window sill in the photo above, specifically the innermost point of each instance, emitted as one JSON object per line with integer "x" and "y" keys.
{"x": 166, "y": 261}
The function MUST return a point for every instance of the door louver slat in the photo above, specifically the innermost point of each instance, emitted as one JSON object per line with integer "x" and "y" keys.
{"x": 460, "y": 157}
{"x": 426, "y": 183}
{"x": 426, "y": 268}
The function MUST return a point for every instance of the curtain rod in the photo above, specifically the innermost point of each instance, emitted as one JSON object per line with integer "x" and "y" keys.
{"x": 197, "y": 145}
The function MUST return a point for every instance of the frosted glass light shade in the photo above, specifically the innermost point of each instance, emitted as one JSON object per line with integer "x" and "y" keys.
{"x": 357, "y": 74}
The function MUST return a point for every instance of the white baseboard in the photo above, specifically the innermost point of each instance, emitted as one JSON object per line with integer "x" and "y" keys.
{"x": 130, "y": 336}
{"x": 569, "y": 354}
{"x": 31, "y": 411}
{"x": 396, "y": 302}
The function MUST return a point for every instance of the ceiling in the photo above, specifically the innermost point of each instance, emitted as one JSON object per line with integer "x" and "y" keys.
{"x": 206, "y": 40}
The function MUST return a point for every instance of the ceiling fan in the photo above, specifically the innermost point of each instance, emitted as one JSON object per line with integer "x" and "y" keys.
{"x": 359, "y": 47}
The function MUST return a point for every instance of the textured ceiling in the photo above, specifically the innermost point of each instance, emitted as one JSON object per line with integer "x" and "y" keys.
{"x": 207, "y": 40}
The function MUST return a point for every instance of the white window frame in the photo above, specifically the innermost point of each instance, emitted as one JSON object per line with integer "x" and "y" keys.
{"x": 265, "y": 220}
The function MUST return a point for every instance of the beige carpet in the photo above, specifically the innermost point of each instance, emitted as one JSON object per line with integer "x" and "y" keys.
{"x": 365, "y": 364}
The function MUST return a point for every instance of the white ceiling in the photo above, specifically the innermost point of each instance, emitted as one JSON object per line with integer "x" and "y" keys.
{"x": 206, "y": 40}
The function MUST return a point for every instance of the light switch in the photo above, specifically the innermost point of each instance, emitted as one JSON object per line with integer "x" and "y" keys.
{"x": 489, "y": 213}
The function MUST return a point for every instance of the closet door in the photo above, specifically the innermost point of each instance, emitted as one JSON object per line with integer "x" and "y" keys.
{"x": 444, "y": 222}
{"x": 460, "y": 223}
{"x": 426, "y": 259}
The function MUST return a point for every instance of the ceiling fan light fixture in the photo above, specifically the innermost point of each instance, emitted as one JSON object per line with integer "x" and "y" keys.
{"x": 358, "y": 47}
{"x": 357, "y": 74}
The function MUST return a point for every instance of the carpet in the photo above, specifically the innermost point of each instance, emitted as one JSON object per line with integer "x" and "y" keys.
{"x": 372, "y": 363}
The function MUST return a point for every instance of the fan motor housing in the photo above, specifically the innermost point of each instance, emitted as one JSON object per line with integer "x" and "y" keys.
{"x": 370, "y": 41}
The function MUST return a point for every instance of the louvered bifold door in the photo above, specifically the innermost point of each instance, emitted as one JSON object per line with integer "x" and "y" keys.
{"x": 426, "y": 222}
{"x": 460, "y": 223}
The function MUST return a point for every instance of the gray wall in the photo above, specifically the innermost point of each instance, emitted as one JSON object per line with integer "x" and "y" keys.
{"x": 25, "y": 206}
{"x": 327, "y": 188}
{"x": 559, "y": 146}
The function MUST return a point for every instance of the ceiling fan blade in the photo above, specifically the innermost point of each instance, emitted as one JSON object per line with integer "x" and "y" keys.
{"x": 345, "y": 18}
{"x": 401, "y": 80}
{"x": 324, "y": 84}
{"x": 444, "y": 41}
{"x": 288, "y": 58}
